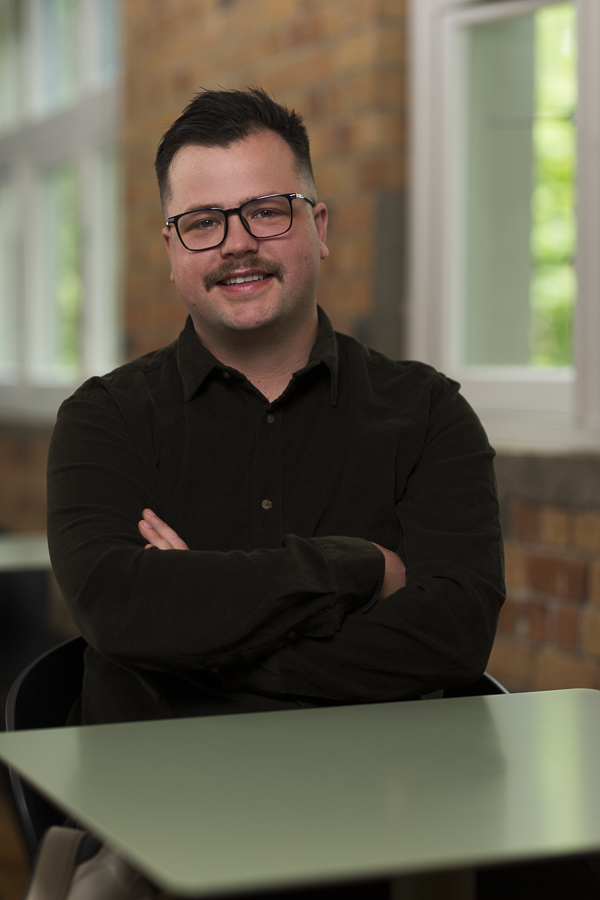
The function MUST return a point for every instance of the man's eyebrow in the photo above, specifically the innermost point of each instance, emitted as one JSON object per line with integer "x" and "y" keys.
{"x": 195, "y": 206}
{"x": 248, "y": 198}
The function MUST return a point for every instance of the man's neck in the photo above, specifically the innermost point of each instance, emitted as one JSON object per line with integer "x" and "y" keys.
{"x": 268, "y": 360}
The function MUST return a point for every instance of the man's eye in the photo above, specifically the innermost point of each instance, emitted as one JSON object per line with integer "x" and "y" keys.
{"x": 266, "y": 213}
{"x": 204, "y": 224}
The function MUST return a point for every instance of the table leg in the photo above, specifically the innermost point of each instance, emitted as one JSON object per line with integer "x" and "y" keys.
{"x": 455, "y": 885}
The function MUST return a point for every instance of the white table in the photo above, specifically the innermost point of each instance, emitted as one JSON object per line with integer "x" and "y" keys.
{"x": 20, "y": 552}
{"x": 227, "y": 804}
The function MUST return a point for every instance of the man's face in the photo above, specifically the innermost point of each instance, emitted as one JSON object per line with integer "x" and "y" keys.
{"x": 227, "y": 177}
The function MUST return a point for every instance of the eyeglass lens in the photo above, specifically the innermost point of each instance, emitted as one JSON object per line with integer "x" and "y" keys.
{"x": 264, "y": 218}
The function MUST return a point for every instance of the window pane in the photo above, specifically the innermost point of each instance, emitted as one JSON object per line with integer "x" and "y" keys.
{"x": 9, "y": 63}
{"x": 108, "y": 37}
{"x": 8, "y": 333}
{"x": 58, "y": 53}
{"x": 553, "y": 204}
{"x": 520, "y": 212}
{"x": 57, "y": 300}
{"x": 103, "y": 247}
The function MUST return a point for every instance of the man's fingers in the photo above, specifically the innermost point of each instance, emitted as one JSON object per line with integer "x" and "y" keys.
{"x": 158, "y": 533}
{"x": 154, "y": 539}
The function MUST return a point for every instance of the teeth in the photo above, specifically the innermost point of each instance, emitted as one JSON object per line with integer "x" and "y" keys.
{"x": 242, "y": 279}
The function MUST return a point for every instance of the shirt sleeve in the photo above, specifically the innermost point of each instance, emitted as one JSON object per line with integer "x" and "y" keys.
{"x": 438, "y": 630}
{"x": 179, "y": 609}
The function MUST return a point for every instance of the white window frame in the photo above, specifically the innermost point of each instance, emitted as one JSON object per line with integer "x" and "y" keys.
{"x": 522, "y": 408}
{"x": 75, "y": 133}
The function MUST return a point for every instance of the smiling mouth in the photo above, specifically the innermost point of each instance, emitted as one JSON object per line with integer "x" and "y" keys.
{"x": 243, "y": 279}
{"x": 248, "y": 270}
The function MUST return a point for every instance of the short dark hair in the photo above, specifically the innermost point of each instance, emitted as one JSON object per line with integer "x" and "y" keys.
{"x": 221, "y": 118}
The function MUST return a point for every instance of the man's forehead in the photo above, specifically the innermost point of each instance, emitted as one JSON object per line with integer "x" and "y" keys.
{"x": 257, "y": 145}
{"x": 260, "y": 164}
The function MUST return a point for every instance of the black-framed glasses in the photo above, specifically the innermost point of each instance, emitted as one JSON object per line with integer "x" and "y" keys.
{"x": 264, "y": 217}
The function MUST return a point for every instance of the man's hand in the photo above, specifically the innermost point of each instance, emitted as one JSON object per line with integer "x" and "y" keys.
{"x": 395, "y": 572}
{"x": 158, "y": 534}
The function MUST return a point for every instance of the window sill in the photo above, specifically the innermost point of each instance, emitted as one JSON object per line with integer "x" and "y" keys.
{"x": 32, "y": 405}
{"x": 533, "y": 432}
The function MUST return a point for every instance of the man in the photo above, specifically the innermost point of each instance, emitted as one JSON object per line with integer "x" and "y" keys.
{"x": 317, "y": 524}
{"x": 265, "y": 514}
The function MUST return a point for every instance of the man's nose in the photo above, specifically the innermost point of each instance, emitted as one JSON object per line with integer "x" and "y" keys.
{"x": 239, "y": 240}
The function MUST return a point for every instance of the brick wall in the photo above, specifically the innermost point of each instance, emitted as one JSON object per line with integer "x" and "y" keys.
{"x": 23, "y": 453}
{"x": 549, "y": 634}
{"x": 341, "y": 63}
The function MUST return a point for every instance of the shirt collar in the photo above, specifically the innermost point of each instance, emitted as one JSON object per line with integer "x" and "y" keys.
{"x": 325, "y": 351}
{"x": 196, "y": 363}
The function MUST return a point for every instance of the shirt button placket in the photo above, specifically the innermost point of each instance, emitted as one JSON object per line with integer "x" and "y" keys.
{"x": 268, "y": 486}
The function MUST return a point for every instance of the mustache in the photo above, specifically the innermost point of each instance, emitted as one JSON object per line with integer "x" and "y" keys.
{"x": 252, "y": 262}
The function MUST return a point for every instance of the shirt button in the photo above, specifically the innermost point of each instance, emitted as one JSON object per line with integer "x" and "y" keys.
{"x": 227, "y": 375}
{"x": 266, "y": 504}
{"x": 270, "y": 418}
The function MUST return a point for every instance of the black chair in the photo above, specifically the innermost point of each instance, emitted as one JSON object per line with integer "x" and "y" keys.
{"x": 42, "y": 697}
{"x": 485, "y": 685}
{"x": 23, "y": 616}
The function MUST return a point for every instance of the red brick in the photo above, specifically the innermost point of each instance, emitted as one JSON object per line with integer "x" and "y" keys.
{"x": 304, "y": 31}
{"x": 384, "y": 171}
{"x": 567, "y": 624}
{"x": 591, "y": 632}
{"x": 369, "y": 89}
{"x": 587, "y": 531}
{"x": 335, "y": 178}
{"x": 524, "y": 522}
{"x": 555, "y": 526}
{"x": 535, "y": 616}
{"x": 23, "y": 456}
{"x": 309, "y": 70}
{"x": 357, "y": 50}
{"x": 349, "y": 296}
{"x": 558, "y": 576}
{"x": 355, "y": 255}
{"x": 555, "y": 670}
{"x": 594, "y": 584}
{"x": 515, "y": 564}
{"x": 376, "y": 132}
{"x": 511, "y": 663}
{"x": 354, "y": 211}
{"x": 395, "y": 9}
{"x": 509, "y": 616}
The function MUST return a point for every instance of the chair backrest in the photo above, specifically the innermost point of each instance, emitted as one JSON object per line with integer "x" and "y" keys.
{"x": 42, "y": 697}
{"x": 487, "y": 684}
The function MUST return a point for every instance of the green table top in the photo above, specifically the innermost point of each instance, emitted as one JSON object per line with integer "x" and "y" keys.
{"x": 19, "y": 552}
{"x": 247, "y": 802}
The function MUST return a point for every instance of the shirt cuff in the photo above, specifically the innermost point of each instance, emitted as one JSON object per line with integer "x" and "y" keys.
{"x": 359, "y": 569}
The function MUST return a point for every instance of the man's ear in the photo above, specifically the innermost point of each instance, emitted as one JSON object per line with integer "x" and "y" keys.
{"x": 321, "y": 217}
{"x": 166, "y": 233}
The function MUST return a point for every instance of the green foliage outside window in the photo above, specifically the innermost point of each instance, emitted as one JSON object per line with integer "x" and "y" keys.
{"x": 68, "y": 269}
{"x": 553, "y": 236}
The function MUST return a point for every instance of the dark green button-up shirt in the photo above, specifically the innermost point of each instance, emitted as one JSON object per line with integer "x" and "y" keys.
{"x": 275, "y": 604}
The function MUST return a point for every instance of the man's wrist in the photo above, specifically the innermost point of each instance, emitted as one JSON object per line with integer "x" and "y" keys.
{"x": 359, "y": 568}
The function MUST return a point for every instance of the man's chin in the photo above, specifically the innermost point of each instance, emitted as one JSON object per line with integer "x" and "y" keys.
{"x": 246, "y": 316}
